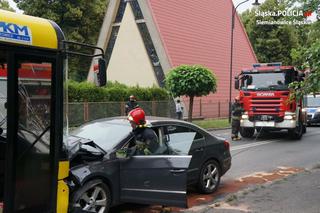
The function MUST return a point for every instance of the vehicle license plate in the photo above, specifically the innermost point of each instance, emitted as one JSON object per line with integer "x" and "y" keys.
{"x": 265, "y": 123}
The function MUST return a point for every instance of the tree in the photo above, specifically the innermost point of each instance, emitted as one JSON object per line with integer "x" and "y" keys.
{"x": 4, "y": 4}
{"x": 79, "y": 20}
{"x": 191, "y": 81}
{"x": 311, "y": 84}
{"x": 271, "y": 42}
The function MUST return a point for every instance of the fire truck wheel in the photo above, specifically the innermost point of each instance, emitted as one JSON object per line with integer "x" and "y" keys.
{"x": 304, "y": 129}
{"x": 297, "y": 132}
{"x": 247, "y": 132}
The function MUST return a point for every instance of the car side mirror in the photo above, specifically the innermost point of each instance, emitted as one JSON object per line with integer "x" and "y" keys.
{"x": 125, "y": 153}
{"x": 236, "y": 83}
{"x": 102, "y": 73}
{"x": 301, "y": 76}
{"x": 121, "y": 153}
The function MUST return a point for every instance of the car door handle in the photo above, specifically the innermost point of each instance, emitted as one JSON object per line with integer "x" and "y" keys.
{"x": 199, "y": 150}
{"x": 177, "y": 170}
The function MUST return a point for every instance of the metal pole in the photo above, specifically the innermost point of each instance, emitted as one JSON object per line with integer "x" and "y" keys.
{"x": 234, "y": 10}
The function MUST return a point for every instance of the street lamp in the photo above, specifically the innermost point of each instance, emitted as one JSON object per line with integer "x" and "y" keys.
{"x": 234, "y": 10}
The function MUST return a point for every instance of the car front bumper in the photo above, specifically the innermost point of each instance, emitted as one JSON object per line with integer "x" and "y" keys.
{"x": 285, "y": 124}
{"x": 313, "y": 119}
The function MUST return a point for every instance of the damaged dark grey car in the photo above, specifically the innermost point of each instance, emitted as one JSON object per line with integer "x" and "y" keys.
{"x": 103, "y": 173}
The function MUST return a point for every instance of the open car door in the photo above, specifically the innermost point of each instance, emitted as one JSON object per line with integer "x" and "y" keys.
{"x": 155, "y": 179}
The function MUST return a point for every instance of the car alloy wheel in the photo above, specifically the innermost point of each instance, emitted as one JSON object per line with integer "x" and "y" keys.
{"x": 94, "y": 196}
{"x": 209, "y": 177}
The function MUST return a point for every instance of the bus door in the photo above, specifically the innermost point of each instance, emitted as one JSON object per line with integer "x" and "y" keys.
{"x": 31, "y": 154}
{"x": 3, "y": 122}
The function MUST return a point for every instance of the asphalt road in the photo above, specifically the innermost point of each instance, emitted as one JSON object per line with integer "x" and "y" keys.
{"x": 264, "y": 153}
{"x": 267, "y": 151}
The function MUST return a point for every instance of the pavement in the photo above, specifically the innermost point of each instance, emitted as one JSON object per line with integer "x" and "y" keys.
{"x": 296, "y": 193}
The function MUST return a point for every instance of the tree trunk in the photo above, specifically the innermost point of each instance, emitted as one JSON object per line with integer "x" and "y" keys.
{"x": 190, "y": 109}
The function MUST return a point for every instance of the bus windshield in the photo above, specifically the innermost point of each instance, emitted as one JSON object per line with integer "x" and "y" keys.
{"x": 267, "y": 81}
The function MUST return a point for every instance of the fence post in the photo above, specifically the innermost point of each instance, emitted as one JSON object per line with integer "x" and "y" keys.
{"x": 122, "y": 105}
{"x": 154, "y": 108}
{"x": 219, "y": 113}
{"x": 85, "y": 111}
{"x": 200, "y": 107}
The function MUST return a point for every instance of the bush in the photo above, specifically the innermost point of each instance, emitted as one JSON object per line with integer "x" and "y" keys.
{"x": 114, "y": 91}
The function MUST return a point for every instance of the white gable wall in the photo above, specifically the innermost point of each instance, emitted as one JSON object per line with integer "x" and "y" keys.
{"x": 129, "y": 62}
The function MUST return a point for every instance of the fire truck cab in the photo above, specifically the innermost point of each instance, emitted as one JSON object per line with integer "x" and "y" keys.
{"x": 265, "y": 97}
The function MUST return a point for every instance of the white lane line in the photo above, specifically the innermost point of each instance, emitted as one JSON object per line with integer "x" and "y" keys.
{"x": 249, "y": 145}
{"x": 252, "y": 145}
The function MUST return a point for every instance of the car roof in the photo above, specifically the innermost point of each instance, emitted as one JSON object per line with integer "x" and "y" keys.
{"x": 153, "y": 120}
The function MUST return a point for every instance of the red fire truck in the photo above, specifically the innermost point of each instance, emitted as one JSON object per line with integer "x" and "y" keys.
{"x": 264, "y": 95}
{"x": 35, "y": 79}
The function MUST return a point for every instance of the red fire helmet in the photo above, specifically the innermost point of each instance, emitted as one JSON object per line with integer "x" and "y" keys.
{"x": 137, "y": 115}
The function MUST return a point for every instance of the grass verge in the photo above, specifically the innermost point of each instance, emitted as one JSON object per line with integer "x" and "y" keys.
{"x": 213, "y": 123}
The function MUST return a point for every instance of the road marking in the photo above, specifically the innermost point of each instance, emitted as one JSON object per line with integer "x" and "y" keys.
{"x": 252, "y": 145}
{"x": 249, "y": 145}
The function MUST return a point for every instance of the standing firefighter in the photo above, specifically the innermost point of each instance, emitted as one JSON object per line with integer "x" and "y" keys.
{"x": 146, "y": 140}
{"x": 131, "y": 104}
{"x": 237, "y": 111}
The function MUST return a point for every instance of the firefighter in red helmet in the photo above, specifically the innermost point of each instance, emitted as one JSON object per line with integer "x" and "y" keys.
{"x": 146, "y": 140}
{"x": 237, "y": 111}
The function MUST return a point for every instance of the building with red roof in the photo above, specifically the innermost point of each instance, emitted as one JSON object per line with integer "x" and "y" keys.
{"x": 144, "y": 39}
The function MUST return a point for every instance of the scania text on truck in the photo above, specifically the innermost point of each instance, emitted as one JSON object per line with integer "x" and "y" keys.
{"x": 265, "y": 96}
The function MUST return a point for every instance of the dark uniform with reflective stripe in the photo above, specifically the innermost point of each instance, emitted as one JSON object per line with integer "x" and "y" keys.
{"x": 146, "y": 141}
{"x": 237, "y": 111}
{"x": 130, "y": 105}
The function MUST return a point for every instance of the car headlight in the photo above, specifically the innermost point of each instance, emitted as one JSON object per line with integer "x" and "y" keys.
{"x": 318, "y": 110}
{"x": 244, "y": 116}
{"x": 289, "y": 117}
{"x": 304, "y": 110}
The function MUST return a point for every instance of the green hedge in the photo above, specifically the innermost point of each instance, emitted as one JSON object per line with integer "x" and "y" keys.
{"x": 114, "y": 91}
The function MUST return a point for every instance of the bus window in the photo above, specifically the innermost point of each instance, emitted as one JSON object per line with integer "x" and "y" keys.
{"x": 33, "y": 168}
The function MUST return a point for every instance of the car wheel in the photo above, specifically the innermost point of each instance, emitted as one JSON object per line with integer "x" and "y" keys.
{"x": 209, "y": 178}
{"x": 94, "y": 196}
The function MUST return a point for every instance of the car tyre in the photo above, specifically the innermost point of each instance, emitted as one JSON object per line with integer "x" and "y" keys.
{"x": 209, "y": 178}
{"x": 93, "y": 196}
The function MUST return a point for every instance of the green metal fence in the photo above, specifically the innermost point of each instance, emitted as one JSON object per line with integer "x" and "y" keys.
{"x": 81, "y": 112}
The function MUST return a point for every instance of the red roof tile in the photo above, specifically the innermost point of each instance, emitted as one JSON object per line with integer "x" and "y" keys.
{"x": 198, "y": 32}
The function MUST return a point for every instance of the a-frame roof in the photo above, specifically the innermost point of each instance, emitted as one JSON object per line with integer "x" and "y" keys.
{"x": 188, "y": 32}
